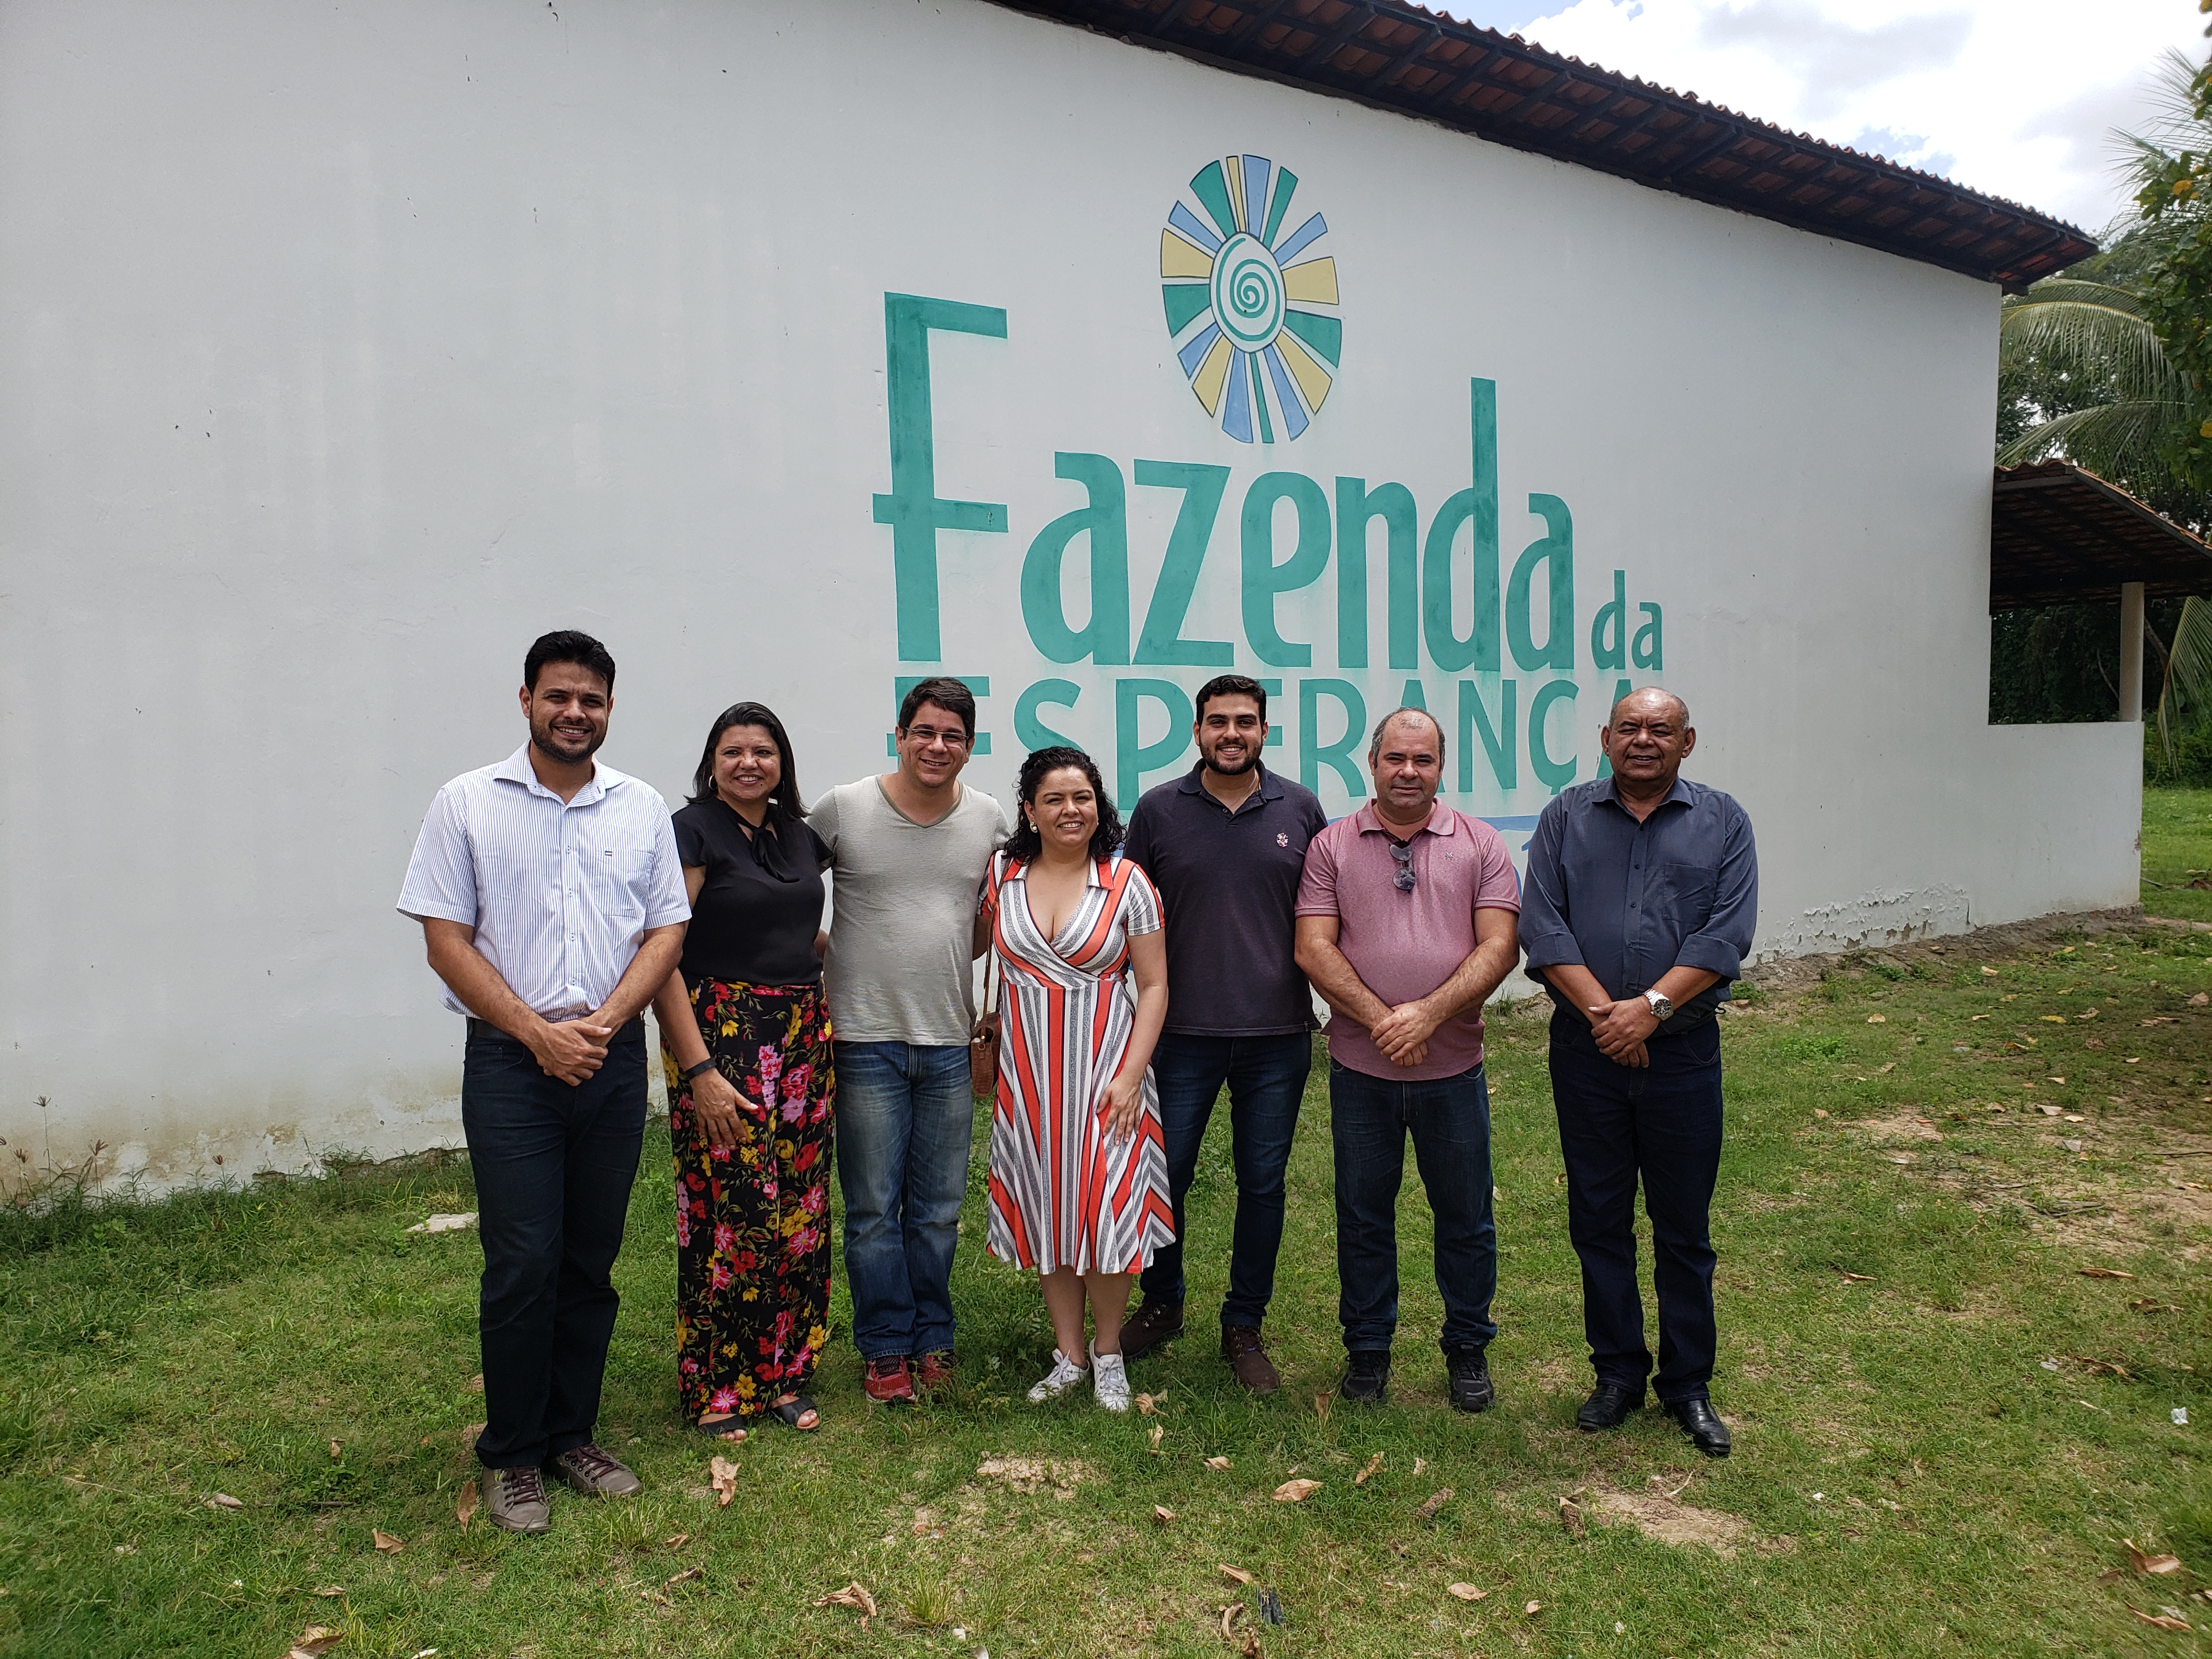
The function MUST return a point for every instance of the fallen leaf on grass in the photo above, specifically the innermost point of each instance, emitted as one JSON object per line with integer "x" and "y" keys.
{"x": 223, "y": 1500}
{"x": 2143, "y": 1563}
{"x": 683, "y": 1577}
{"x": 678, "y": 1541}
{"x": 1436, "y": 1501}
{"x": 1321, "y": 1405}
{"x": 1819, "y": 1112}
{"x": 2143, "y": 1304}
{"x": 723, "y": 1474}
{"x": 1989, "y": 973}
{"x": 1373, "y": 1464}
{"x": 2111, "y": 1576}
{"x": 329, "y": 1590}
{"x": 851, "y": 1596}
{"x": 1855, "y": 1279}
{"x": 1465, "y": 1592}
{"x": 384, "y": 1542}
{"x": 2161, "y": 1620}
{"x": 2053, "y": 1019}
{"x": 465, "y": 1511}
{"x": 445, "y": 1224}
{"x": 315, "y": 1640}
{"x": 1157, "y": 1435}
{"x": 1250, "y": 1647}
{"x": 1217, "y": 1463}
{"x": 1148, "y": 1405}
{"x": 1420, "y": 1463}
{"x": 1296, "y": 1492}
{"x": 1532, "y": 1609}
{"x": 1229, "y": 1615}
{"x": 476, "y": 1383}
{"x": 1235, "y": 1575}
{"x": 2163, "y": 1019}
{"x": 1877, "y": 1019}
{"x": 2200, "y": 1000}
{"x": 1570, "y": 1517}
{"x": 335, "y": 1453}
{"x": 2103, "y": 1273}
{"x": 1162, "y": 1515}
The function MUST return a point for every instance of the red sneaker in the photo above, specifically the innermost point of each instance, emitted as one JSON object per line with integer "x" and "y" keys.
{"x": 936, "y": 1370}
{"x": 885, "y": 1380}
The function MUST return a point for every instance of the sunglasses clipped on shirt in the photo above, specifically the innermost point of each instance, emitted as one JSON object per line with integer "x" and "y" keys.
{"x": 1403, "y": 852}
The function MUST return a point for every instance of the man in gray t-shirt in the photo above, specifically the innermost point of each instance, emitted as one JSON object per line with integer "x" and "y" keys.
{"x": 906, "y": 855}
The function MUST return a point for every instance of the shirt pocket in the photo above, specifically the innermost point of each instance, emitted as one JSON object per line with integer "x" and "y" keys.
{"x": 623, "y": 877}
{"x": 1685, "y": 894}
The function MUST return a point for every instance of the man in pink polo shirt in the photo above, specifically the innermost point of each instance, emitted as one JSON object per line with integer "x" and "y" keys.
{"x": 1406, "y": 920}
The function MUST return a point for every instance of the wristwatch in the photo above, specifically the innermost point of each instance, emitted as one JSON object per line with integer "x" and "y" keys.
{"x": 1662, "y": 1009}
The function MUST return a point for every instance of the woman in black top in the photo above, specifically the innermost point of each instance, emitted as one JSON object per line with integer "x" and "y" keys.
{"x": 744, "y": 1033}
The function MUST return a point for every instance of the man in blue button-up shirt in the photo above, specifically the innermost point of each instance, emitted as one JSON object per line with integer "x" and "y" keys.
{"x": 1638, "y": 907}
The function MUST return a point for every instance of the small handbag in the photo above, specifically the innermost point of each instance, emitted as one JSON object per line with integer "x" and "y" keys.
{"x": 983, "y": 1044}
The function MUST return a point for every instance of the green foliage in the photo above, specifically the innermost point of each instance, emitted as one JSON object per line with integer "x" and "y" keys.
{"x": 2172, "y": 169}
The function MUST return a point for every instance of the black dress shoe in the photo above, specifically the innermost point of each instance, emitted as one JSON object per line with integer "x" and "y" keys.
{"x": 1608, "y": 1407}
{"x": 1366, "y": 1376}
{"x": 1467, "y": 1370}
{"x": 1702, "y": 1423}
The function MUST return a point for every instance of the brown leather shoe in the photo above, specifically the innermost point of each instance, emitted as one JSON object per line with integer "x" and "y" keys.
{"x": 595, "y": 1472}
{"x": 1240, "y": 1347}
{"x": 1150, "y": 1326}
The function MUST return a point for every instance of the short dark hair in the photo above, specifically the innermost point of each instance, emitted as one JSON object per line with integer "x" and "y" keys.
{"x": 566, "y": 644}
{"x": 1229, "y": 685}
{"x": 952, "y": 695}
{"x": 1375, "y": 743}
{"x": 1025, "y": 844}
{"x": 783, "y": 800}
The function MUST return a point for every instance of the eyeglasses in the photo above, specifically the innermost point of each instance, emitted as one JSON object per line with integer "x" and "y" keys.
{"x": 926, "y": 735}
{"x": 1403, "y": 881}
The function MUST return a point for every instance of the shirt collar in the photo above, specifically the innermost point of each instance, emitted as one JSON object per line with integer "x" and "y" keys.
{"x": 516, "y": 768}
{"x": 1679, "y": 792}
{"x": 1271, "y": 786}
{"x": 1443, "y": 821}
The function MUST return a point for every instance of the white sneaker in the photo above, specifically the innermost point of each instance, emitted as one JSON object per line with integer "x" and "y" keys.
{"x": 1109, "y": 1380}
{"x": 1065, "y": 1374}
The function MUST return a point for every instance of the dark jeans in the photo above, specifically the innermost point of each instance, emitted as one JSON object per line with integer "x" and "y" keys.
{"x": 1265, "y": 1077}
{"x": 905, "y": 1118}
{"x": 1664, "y": 1123}
{"x": 1448, "y": 1118}
{"x": 554, "y": 1166}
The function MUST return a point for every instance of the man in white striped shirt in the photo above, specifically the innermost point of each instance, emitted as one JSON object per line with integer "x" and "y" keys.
{"x": 553, "y": 906}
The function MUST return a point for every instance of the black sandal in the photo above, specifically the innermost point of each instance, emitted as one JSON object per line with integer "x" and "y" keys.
{"x": 796, "y": 1407}
{"x": 729, "y": 1426}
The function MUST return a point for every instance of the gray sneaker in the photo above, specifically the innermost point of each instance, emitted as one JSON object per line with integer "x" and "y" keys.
{"x": 516, "y": 1500}
{"x": 594, "y": 1473}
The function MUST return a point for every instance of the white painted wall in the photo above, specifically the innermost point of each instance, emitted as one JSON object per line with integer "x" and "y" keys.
{"x": 346, "y": 349}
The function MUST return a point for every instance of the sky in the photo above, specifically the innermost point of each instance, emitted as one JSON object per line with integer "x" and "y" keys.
{"x": 2013, "y": 98}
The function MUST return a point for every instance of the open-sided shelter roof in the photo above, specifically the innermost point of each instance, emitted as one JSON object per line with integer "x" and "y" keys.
{"x": 2061, "y": 536}
{"x": 1402, "y": 57}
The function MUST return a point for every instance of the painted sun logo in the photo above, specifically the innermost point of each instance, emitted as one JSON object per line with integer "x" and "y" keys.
{"x": 1235, "y": 291}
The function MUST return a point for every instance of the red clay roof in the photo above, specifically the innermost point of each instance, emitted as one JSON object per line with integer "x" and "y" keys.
{"x": 1403, "y": 57}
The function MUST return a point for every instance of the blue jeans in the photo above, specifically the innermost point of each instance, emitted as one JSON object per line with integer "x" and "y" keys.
{"x": 904, "y": 1121}
{"x": 1448, "y": 1118}
{"x": 1664, "y": 1123}
{"x": 554, "y": 1166}
{"x": 1265, "y": 1077}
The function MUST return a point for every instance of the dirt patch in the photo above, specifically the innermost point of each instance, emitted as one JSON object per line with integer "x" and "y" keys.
{"x": 1895, "y": 1128}
{"x": 1035, "y": 1475}
{"x": 1670, "y": 1521}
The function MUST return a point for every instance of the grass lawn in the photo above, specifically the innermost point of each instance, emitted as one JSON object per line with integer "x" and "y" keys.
{"x": 2176, "y": 854}
{"x": 1944, "y": 1428}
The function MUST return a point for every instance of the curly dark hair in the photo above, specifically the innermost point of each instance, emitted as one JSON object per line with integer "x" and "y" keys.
{"x": 1025, "y": 844}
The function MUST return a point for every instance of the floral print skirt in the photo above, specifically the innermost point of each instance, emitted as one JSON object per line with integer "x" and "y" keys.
{"x": 752, "y": 1234}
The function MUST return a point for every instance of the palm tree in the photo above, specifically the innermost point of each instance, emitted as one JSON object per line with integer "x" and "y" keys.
{"x": 2084, "y": 375}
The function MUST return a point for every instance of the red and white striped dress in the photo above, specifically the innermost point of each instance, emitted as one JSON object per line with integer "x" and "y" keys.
{"x": 1063, "y": 1193}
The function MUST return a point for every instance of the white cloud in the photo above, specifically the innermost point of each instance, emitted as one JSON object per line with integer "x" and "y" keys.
{"x": 2013, "y": 98}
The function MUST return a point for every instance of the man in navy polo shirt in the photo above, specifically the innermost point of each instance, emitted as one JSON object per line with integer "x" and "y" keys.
{"x": 1225, "y": 846}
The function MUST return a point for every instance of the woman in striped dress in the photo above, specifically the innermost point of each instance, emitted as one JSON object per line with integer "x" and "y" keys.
{"x": 1079, "y": 1165}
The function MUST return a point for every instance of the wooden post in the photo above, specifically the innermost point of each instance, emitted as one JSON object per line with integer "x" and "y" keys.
{"x": 2131, "y": 643}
